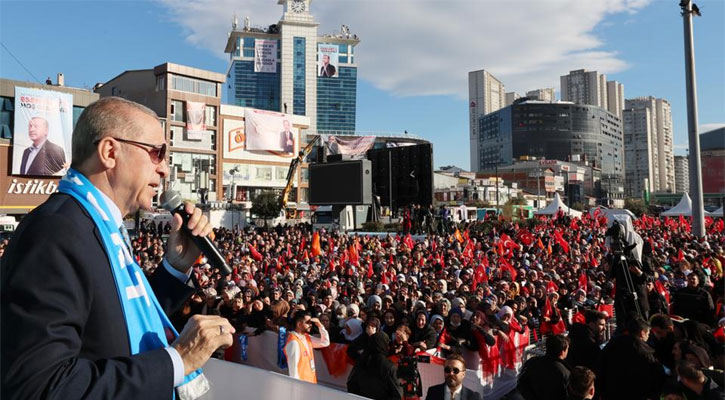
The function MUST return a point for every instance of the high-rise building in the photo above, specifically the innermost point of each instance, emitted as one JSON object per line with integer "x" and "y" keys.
{"x": 584, "y": 87}
{"x": 712, "y": 157}
{"x": 682, "y": 174}
{"x": 615, "y": 98}
{"x": 511, "y": 97}
{"x": 641, "y": 161}
{"x": 648, "y": 139}
{"x": 545, "y": 94}
{"x": 289, "y": 67}
{"x": 555, "y": 131}
{"x": 486, "y": 94}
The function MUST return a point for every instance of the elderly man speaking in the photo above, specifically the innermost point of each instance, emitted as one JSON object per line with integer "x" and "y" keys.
{"x": 79, "y": 318}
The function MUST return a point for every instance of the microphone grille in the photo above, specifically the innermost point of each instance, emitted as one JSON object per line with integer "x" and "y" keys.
{"x": 170, "y": 200}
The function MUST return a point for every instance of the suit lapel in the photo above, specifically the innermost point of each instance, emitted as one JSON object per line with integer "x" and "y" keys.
{"x": 23, "y": 165}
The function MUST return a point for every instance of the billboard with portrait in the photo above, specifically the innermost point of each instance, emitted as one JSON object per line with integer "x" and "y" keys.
{"x": 269, "y": 131}
{"x": 327, "y": 60}
{"x": 42, "y": 132}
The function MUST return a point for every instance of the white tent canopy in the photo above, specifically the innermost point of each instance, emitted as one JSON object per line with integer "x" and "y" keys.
{"x": 716, "y": 213}
{"x": 557, "y": 205}
{"x": 684, "y": 208}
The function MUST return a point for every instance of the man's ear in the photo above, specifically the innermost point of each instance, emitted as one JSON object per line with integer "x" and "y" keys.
{"x": 106, "y": 153}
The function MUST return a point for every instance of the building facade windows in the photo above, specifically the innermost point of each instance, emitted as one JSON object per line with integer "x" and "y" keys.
{"x": 177, "y": 111}
{"x": 299, "y": 80}
{"x": 191, "y": 85}
{"x": 336, "y": 99}
{"x": 247, "y": 88}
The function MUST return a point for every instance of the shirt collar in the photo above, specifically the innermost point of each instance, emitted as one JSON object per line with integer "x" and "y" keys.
{"x": 455, "y": 392}
{"x": 113, "y": 208}
{"x": 34, "y": 147}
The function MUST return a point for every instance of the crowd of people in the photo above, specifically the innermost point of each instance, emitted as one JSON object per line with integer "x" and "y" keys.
{"x": 471, "y": 287}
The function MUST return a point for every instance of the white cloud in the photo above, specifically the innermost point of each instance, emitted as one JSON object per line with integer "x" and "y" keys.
{"x": 427, "y": 47}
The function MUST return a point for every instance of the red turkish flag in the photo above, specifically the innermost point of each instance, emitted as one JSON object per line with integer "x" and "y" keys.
{"x": 408, "y": 241}
{"x": 506, "y": 266}
{"x": 255, "y": 254}
{"x": 583, "y": 281}
{"x": 559, "y": 238}
{"x": 509, "y": 243}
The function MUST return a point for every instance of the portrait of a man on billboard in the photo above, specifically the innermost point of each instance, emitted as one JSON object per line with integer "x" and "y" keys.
{"x": 42, "y": 157}
{"x": 327, "y": 60}
{"x": 42, "y": 132}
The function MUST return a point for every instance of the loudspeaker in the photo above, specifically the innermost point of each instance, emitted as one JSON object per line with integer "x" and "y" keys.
{"x": 341, "y": 183}
{"x": 403, "y": 174}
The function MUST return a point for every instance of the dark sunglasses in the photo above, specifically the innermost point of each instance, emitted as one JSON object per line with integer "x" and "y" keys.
{"x": 448, "y": 370}
{"x": 157, "y": 151}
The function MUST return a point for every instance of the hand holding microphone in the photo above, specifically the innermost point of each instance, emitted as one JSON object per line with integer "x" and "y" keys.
{"x": 180, "y": 253}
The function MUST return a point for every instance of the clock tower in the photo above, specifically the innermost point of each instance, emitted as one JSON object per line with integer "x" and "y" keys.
{"x": 298, "y": 36}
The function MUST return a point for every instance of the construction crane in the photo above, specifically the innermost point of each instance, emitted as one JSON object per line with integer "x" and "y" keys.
{"x": 293, "y": 168}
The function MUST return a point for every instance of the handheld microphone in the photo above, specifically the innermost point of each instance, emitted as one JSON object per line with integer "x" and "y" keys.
{"x": 171, "y": 201}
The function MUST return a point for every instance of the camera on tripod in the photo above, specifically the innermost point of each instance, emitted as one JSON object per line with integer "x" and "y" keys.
{"x": 630, "y": 297}
{"x": 617, "y": 243}
{"x": 410, "y": 377}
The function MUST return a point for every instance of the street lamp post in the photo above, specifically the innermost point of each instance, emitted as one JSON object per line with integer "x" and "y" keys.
{"x": 698, "y": 215}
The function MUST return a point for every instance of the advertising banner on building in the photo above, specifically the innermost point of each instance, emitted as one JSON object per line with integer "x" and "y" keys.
{"x": 327, "y": 60}
{"x": 349, "y": 146}
{"x": 195, "y": 124}
{"x": 269, "y": 131}
{"x": 265, "y": 56}
{"x": 43, "y": 130}
{"x": 234, "y": 144}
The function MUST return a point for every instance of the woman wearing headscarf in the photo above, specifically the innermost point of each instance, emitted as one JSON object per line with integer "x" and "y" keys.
{"x": 423, "y": 337}
{"x": 390, "y": 322}
{"x": 459, "y": 333}
{"x": 438, "y": 325}
{"x": 374, "y": 376}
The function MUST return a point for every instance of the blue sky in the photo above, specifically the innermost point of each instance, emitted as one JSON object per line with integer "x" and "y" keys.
{"x": 407, "y": 81}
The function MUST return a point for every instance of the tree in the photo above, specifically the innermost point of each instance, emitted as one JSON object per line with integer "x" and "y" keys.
{"x": 266, "y": 205}
{"x": 637, "y": 206}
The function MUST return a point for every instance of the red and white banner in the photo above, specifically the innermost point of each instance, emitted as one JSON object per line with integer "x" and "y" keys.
{"x": 269, "y": 130}
{"x": 195, "y": 121}
{"x": 333, "y": 365}
{"x": 349, "y": 146}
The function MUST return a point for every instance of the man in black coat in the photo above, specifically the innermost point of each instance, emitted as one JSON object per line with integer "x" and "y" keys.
{"x": 630, "y": 370}
{"x": 43, "y": 157}
{"x": 454, "y": 371}
{"x": 546, "y": 377}
{"x": 64, "y": 332}
{"x": 694, "y": 302}
{"x": 585, "y": 340}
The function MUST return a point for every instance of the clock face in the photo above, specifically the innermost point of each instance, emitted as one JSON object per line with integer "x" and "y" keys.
{"x": 298, "y": 6}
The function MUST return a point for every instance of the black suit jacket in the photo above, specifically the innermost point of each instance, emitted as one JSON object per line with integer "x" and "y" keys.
{"x": 283, "y": 142}
{"x": 329, "y": 68}
{"x": 63, "y": 330}
{"x": 437, "y": 392}
{"x": 50, "y": 159}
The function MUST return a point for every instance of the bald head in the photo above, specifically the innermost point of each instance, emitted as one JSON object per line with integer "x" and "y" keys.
{"x": 109, "y": 116}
